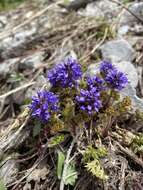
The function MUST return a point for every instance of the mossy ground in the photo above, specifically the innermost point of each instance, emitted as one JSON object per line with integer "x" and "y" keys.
{"x": 9, "y": 4}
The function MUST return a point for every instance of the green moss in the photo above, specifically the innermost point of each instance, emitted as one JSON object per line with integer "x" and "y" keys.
{"x": 91, "y": 159}
{"x": 9, "y": 4}
{"x": 137, "y": 144}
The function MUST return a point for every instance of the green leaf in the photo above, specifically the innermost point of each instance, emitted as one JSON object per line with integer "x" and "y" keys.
{"x": 71, "y": 175}
{"x": 56, "y": 140}
{"x": 2, "y": 185}
{"x": 61, "y": 159}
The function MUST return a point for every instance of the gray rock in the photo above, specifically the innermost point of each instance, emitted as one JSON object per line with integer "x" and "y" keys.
{"x": 40, "y": 82}
{"x": 23, "y": 95}
{"x": 137, "y": 103}
{"x": 123, "y": 30}
{"x": 100, "y": 9}
{"x": 3, "y": 21}
{"x": 117, "y": 50}
{"x": 18, "y": 97}
{"x": 93, "y": 69}
{"x": 129, "y": 19}
{"x": 17, "y": 39}
{"x": 9, "y": 169}
{"x": 130, "y": 70}
{"x": 129, "y": 23}
{"x": 31, "y": 62}
{"x": 7, "y": 67}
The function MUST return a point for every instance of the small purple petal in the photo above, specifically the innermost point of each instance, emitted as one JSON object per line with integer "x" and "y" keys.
{"x": 43, "y": 105}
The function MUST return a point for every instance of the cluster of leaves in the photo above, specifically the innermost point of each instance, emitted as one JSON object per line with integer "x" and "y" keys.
{"x": 137, "y": 144}
{"x": 71, "y": 175}
{"x": 91, "y": 158}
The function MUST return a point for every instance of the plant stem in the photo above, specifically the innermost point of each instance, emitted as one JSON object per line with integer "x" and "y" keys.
{"x": 108, "y": 126}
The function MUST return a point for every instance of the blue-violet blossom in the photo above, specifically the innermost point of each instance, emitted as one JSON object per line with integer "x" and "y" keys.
{"x": 65, "y": 74}
{"x": 89, "y": 101}
{"x": 106, "y": 67}
{"x": 95, "y": 81}
{"x": 43, "y": 105}
{"x": 116, "y": 79}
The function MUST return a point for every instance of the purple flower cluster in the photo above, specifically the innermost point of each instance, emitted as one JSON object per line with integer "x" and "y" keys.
{"x": 114, "y": 78}
{"x": 65, "y": 74}
{"x": 106, "y": 67}
{"x": 43, "y": 105}
{"x": 95, "y": 81}
{"x": 89, "y": 101}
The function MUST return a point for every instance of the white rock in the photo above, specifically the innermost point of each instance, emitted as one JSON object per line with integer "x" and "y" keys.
{"x": 128, "y": 18}
{"x": 137, "y": 103}
{"x": 129, "y": 23}
{"x": 100, "y": 9}
{"x": 17, "y": 39}
{"x": 32, "y": 62}
{"x": 117, "y": 50}
{"x": 40, "y": 82}
{"x": 130, "y": 70}
{"x": 3, "y": 21}
{"x": 123, "y": 30}
{"x": 7, "y": 67}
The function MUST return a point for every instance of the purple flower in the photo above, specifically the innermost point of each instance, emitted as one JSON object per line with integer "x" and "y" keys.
{"x": 43, "y": 105}
{"x": 89, "y": 101}
{"x": 65, "y": 74}
{"x": 95, "y": 81}
{"x": 116, "y": 79}
{"x": 106, "y": 67}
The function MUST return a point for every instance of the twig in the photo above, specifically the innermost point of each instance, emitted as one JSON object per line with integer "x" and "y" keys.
{"x": 30, "y": 171}
{"x": 5, "y": 146}
{"x": 2, "y": 104}
{"x": 128, "y": 10}
{"x": 66, "y": 165}
{"x": 16, "y": 90}
{"x": 131, "y": 155}
{"x": 122, "y": 182}
{"x": 4, "y": 112}
{"x": 96, "y": 47}
{"x": 28, "y": 158}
